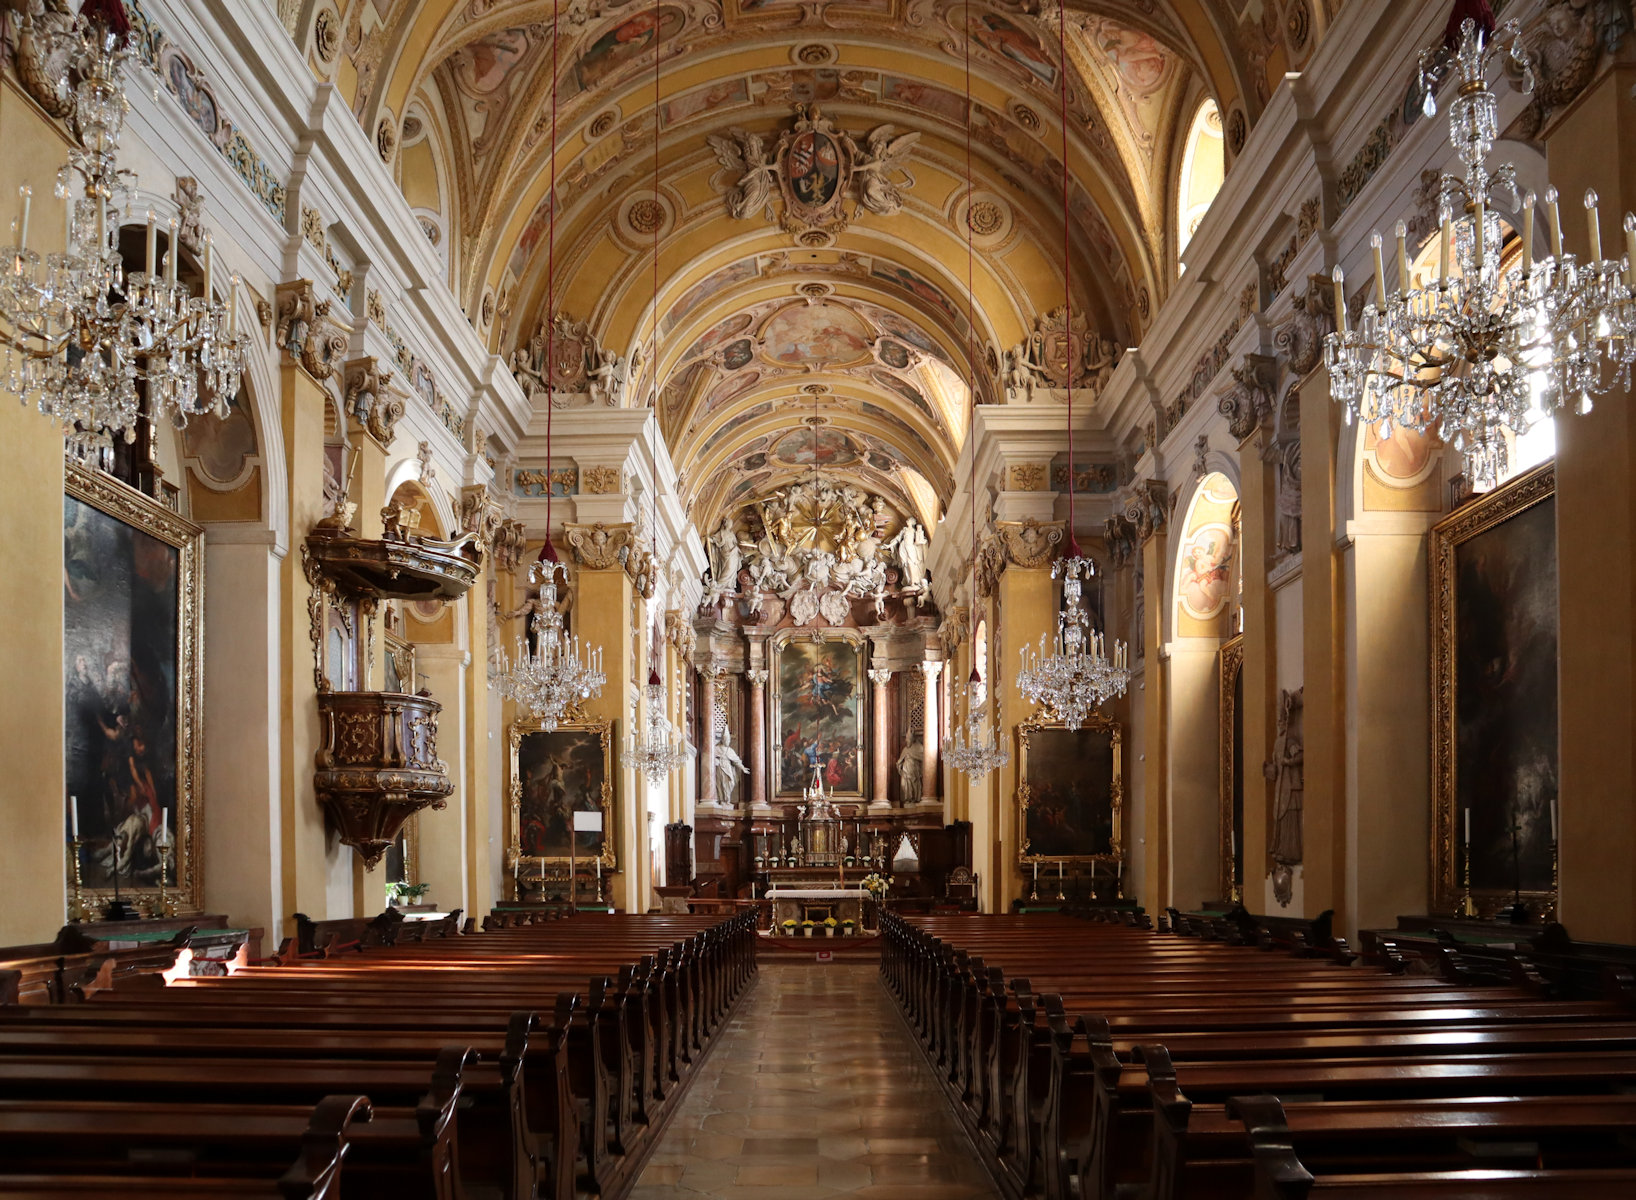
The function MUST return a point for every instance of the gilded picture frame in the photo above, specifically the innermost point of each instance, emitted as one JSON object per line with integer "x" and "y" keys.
{"x": 1055, "y": 821}
{"x": 552, "y": 773}
{"x": 1233, "y": 787}
{"x": 133, "y": 663}
{"x": 1495, "y": 739}
{"x": 811, "y": 671}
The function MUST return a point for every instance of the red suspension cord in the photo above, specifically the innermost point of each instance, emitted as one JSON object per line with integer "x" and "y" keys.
{"x": 1067, "y": 272}
{"x": 971, "y": 355}
{"x": 548, "y": 552}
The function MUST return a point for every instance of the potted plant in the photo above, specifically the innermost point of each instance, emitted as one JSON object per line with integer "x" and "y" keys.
{"x": 806, "y": 928}
{"x": 406, "y": 895}
{"x": 830, "y": 926}
{"x": 789, "y": 927}
{"x": 849, "y": 927}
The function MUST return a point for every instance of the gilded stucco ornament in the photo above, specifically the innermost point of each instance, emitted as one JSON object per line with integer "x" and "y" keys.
{"x": 1248, "y": 403}
{"x": 815, "y": 170}
{"x": 371, "y": 399}
{"x": 599, "y": 547}
{"x": 306, "y": 331}
{"x": 1030, "y": 543}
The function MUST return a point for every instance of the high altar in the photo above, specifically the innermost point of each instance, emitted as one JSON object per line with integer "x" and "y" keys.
{"x": 821, "y": 699}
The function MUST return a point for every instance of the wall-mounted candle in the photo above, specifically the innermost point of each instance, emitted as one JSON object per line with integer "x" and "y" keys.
{"x": 1630, "y": 249}
{"x": 153, "y": 244}
{"x": 27, "y": 194}
{"x": 1340, "y": 298}
{"x": 1592, "y": 225}
{"x": 1444, "y": 242}
{"x": 1553, "y": 214}
{"x": 1403, "y": 258}
{"x": 1380, "y": 273}
{"x": 74, "y": 817}
{"x": 1528, "y": 202}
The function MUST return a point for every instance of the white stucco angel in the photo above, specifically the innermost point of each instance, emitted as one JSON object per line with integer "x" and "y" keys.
{"x": 744, "y": 154}
{"x": 885, "y": 154}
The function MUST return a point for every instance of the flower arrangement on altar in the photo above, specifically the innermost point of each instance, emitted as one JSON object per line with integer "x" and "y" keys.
{"x": 830, "y": 926}
{"x": 876, "y": 884}
{"x": 789, "y": 927}
{"x": 806, "y": 928}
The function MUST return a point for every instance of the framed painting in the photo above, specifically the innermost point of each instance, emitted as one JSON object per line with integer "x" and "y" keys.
{"x": 818, "y": 710}
{"x": 554, "y": 774}
{"x": 1070, "y": 791}
{"x": 1494, "y": 697}
{"x": 133, "y": 607}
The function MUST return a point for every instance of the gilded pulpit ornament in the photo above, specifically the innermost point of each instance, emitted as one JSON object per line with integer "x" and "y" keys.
{"x": 815, "y": 170}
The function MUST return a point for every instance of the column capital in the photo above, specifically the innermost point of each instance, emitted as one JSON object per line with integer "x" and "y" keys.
{"x": 880, "y": 676}
{"x": 757, "y": 676}
{"x": 599, "y": 547}
{"x": 932, "y": 668}
{"x": 307, "y": 332}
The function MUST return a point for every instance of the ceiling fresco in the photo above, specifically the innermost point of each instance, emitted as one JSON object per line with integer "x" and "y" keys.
{"x": 814, "y": 207}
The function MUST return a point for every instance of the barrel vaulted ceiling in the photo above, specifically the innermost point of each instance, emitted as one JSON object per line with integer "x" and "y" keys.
{"x": 782, "y": 341}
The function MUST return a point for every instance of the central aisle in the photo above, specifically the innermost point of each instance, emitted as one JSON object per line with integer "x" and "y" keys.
{"x": 814, "y": 1089}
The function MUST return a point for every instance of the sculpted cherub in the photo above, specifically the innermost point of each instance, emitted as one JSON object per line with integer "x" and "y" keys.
{"x": 745, "y": 153}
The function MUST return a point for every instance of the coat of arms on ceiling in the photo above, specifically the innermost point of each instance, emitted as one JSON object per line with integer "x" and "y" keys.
{"x": 815, "y": 170}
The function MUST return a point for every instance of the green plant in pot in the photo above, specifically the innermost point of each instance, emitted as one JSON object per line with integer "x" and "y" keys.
{"x": 400, "y": 893}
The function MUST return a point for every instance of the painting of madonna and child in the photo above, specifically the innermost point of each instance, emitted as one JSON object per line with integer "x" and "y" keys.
{"x": 820, "y": 717}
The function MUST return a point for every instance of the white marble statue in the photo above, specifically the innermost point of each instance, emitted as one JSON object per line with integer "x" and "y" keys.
{"x": 911, "y": 766}
{"x": 729, "y": 766}
{"x": 725, "y": 557}
{"x": 910, "y": 547}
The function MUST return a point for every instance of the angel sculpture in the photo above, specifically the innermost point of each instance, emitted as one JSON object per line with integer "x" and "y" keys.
{"x": 744, "y": 153}
{"x": 888, "y": 152}
{"x": 606, "y": 385}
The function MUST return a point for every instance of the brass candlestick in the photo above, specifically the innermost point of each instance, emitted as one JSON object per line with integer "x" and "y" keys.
{"x": 164, "y": 844}
{"x": 1467, "y": 907}
{"x": 1550, "y": 909}
{"x": 77, "y": 912}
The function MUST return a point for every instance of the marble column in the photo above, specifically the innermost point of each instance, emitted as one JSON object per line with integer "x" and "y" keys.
{"x": 881, "y": 799}
{"x": 708, "y": 674}
{"x": 929, "y": 790}
{"x": 758, "y": 736}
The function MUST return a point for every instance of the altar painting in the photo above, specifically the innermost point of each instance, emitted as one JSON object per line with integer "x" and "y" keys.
{"x": 818, "y": 714}
{"x": 1494, "y": 695}
{"x": 132, "y": 573}
{"x": 1070, "y": 791}
{"x": 554, "y": 774}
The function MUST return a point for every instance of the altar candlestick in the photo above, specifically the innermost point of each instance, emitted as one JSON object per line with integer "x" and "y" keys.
{"x": 74, "y": 816}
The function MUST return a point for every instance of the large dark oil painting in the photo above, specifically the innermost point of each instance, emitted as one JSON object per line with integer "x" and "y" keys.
{"x": 129, "y": 644}
{"x": 1070, "y": 791}
{"x": 819, "y": 718}
{"x": 555, "y": 774}
{"x": 1495, "y": 657}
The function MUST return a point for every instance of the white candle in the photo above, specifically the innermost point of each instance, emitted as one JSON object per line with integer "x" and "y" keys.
{"x": 1380, "y": 273}
{"x": 209, "y": 247}
{"x": 232, "y": 305}
{"x": 74, "y": 816}
{"x": 164, "y": 824}
{"x": 1553, "y": 818}
{"x": 170, "y": 252}
{"x": 1036, "y": 871}
{"x": 1479, "y": 218}
{"x": 27, "y": 193}
{"x": 599, "y": 868}
{"x": 1445, "y": 240}
{"x": 153, "y": 243}
{"x": 68, "y": 221}
{"x": 1630, "y": 250}
{"x": 1468, "y": 829}
{"x": 1340, "y": 299}
{"x": 1402, "y": 257}
{"x": 1528, "y": 202}
{"x": 1553, "y": 214}
{"x": 1592, "y": 224}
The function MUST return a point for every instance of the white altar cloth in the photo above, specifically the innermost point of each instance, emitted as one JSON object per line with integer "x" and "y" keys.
{"x": 779, "y": 893}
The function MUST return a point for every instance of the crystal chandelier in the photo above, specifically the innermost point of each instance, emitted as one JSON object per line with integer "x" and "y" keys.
{"x": 78, "y": 332}
{"x": 1074, "y": 675}
{"x": 1478, "y": 354}
{"x": 556, "y": 673}
{"x": 974, "y": 750}
{"x": 659, "y": 749}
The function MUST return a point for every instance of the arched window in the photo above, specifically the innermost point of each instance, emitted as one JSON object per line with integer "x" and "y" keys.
{"x": 1204, "y": 165}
